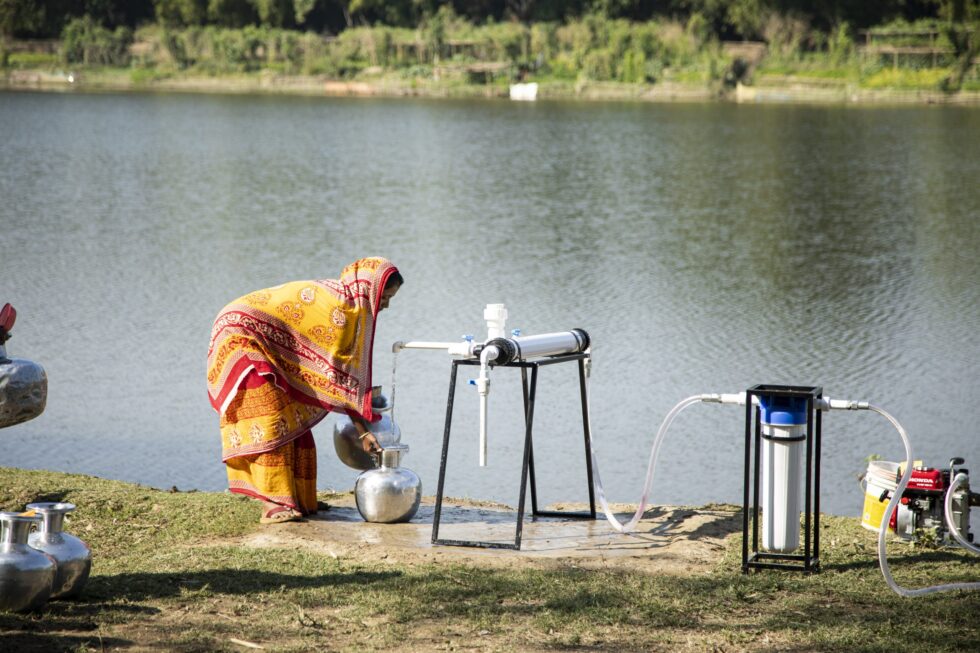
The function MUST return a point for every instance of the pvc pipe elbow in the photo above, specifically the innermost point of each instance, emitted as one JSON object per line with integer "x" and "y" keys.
{"x": 489, "y": 353}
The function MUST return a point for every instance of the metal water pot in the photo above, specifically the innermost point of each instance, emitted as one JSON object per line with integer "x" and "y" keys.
{"x": 389, "y": 493}
{"x": 26, "y": 574}
{"x": 73, "y": 556}
{"x": 347, "y": 443}
{"x": 23, "y": 383}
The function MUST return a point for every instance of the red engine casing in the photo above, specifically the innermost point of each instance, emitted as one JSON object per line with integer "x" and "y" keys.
{"x": 926, "y": 478}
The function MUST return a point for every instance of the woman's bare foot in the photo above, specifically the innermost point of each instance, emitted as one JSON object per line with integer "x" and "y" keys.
{"x": 276, "y": 514}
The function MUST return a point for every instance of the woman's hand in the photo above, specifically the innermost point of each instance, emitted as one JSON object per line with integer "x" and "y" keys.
{"x": 369, "y": 443}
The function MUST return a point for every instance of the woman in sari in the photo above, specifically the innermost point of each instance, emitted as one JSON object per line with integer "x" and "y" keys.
{"x": 280, "y": 359}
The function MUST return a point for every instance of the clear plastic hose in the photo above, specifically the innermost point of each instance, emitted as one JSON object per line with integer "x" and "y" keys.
{"x": 629, "y": 526}
{"x": 950, "y": 522}
{"x": 886, "y": 518}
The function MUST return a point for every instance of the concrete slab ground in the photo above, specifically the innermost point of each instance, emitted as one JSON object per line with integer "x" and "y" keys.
{"x": 668, "y": 539}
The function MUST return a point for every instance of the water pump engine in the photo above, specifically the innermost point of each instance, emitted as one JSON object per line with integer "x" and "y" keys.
{"x": 921, "y": 508}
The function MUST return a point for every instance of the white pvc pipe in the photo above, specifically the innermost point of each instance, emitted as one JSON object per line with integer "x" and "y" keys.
{"x": 418, "y": 344}
{"x": 483, "y": 430}
{"x": 483, "y": 387}
{"x": 496, "y": 318}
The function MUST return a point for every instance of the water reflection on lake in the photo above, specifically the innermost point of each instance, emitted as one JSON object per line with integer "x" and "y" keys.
{"x": 706, "y": 248}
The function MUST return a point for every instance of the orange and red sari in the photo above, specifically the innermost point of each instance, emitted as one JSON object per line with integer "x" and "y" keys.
{"x": 279, "y": 360}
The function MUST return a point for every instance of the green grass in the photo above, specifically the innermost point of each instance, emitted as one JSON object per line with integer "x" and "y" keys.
{"x": 906, "y": 79}
{"x": 689, "y": 76}
{"x": 141, "y": 76}
{"x": 418, "y": 80}
{"x": 33, "y": 60}
{"x": 168, "y": 575}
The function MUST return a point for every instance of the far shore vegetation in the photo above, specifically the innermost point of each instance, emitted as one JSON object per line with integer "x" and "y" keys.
{"x": 930, "y": 45}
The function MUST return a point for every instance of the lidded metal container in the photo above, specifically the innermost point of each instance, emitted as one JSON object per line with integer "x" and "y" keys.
{"x": 389, "y": 493}
{"x": 346, "y": 440}
{"x": 73, "y": 556}
{"x": 26, "y": 574}
{"x": 23, "y": 383}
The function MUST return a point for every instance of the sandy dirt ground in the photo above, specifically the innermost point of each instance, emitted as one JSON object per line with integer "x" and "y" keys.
{"x": 667, "y": 539}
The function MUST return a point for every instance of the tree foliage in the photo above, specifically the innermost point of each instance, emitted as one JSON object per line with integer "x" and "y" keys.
{"x": 786, "y": 25}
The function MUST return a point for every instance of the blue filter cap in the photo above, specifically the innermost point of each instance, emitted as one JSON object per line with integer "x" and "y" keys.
{"x": 783, "y": 410}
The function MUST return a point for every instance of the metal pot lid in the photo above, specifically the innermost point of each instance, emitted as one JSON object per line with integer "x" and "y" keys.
{"x": 50, "y": 506}
{"x": 18, "y": 516}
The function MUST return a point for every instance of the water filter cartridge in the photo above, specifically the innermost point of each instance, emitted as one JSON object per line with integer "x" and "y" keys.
{"x": 783, "y": 439}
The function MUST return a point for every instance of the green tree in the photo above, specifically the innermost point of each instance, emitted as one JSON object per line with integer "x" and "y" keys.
{"x": 180, "y": 13}
{"x": 302, "y": 9}
{"x": 275, "y": 13}
{"x": 20, "y": 16}
{"x": 85, "y": 41}
{"x": 232, "y": 13}
{"x": 746, "y": 17}
{"x": 396, "y": 13}
{"x": 962, "y": 28}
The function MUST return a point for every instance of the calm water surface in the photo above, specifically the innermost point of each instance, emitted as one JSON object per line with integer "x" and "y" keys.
{"x": 706, "y": 248}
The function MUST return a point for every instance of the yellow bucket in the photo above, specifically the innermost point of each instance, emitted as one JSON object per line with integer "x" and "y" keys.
{"x": 881, "y": 477}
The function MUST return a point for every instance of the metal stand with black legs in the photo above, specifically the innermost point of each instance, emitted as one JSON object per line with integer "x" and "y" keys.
{"x": 752, "y": 558}
{"x": 530, "y": 390}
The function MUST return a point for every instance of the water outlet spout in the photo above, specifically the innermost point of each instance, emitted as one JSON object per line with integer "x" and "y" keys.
{"x": 488, "y": 354}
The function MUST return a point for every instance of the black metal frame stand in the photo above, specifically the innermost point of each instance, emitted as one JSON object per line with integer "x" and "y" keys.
{"x": 528, "y": 466}
{"x": 809, "y": 560}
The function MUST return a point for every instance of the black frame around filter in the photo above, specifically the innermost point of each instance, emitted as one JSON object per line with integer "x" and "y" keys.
{"x": 530, "y": 391}
{"x": 808, "y": 561}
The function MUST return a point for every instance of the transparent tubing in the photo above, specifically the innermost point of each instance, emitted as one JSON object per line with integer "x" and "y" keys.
{"x": 950, "y": 522}
{"x": 630, "y": 526}
{"x": 394, "y": 368}
{"x": 892, "y": 504}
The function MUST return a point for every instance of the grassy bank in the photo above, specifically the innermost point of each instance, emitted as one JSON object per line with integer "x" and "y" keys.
{"x": 769, "y": 88}
{"x": 169, "y": 574}
{"x": 96, "y": 79}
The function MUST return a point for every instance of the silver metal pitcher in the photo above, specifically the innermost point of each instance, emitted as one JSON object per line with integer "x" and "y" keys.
{"x": 23, "y": 383}
{"x": 26, "y": 574}
{"x": 389, "y": 493}
{"x": 73, "y": 556}
{"x": 347, "y": 443}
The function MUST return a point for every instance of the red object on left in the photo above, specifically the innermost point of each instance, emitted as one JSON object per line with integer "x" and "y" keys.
{"x": 7, "y": 317}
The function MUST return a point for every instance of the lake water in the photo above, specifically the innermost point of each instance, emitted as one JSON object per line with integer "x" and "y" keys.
{"x": 705, "y": 248}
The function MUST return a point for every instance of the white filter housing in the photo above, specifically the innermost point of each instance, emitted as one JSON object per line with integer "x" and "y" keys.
{"x": 549, "y": 344}
{"x": 782, "y": 457}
